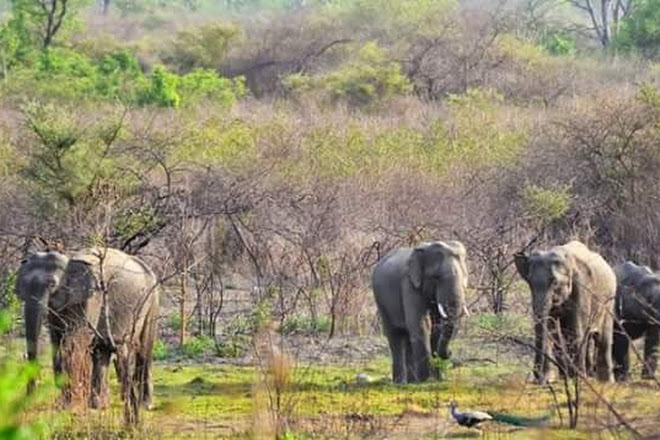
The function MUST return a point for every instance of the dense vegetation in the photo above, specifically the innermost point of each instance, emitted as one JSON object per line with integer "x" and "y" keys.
{"x": 280, "y": 147}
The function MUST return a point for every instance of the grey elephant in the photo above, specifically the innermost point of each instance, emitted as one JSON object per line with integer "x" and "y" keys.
{"x": 68, "y": 292}
{"x": 420, "y": 294}
{"x": 638, "y": 315}
{"x": 573, "y": 293}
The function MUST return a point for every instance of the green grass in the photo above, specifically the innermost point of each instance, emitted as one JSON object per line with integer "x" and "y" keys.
{"x": 218, "y": 401}
{"x": 325, "y": 401}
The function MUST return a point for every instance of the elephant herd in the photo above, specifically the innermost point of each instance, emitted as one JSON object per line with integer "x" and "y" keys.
{"x": 585, "y": 313}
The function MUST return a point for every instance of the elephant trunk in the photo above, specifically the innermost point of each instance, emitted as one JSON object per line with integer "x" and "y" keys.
{"x": 451, "y": 301}
{"x": 541, "y": 309}
{"x": 33, "y": 320}
{"x": 33, "y": 314}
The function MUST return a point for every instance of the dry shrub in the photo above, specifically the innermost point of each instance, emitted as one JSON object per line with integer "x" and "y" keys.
{"x": 273, "y": 410}
{"x": 76, "y": 355}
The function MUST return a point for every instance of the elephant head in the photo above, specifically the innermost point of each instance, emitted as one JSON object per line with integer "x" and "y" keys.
{"x": 39, "y": 278}
{"x": 550, "y": 275}
{"x": 630, "y": 274}
{"x": 51, "y": 281}
{"x": 438, "y": 271}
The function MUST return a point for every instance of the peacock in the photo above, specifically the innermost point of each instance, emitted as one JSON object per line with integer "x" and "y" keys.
{"x": 473, "y": 418}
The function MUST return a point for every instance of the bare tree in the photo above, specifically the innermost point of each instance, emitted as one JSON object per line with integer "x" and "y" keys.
{"x": 605, "y": 16}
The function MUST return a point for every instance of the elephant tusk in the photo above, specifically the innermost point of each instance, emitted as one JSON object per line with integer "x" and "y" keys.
{"x": 441, "y": 310}
{"x": 466, "y": 311}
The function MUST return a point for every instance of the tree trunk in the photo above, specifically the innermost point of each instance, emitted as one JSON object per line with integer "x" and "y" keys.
{"x": 182, "y": 311}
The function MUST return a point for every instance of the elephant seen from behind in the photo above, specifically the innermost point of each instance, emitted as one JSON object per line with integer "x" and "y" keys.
{"x": 112, "y": 294}
{"x": 573, "y": 293}
{"x": 638, "y": 315}
{"x": 420, "y": 295}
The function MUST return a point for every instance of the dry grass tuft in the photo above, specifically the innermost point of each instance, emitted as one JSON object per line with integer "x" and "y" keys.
{"x": 77, "y": 367}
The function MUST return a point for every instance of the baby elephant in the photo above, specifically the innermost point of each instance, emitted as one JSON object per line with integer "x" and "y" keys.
{"x": 420, "y": 294}
{"x": 638, "y": 315}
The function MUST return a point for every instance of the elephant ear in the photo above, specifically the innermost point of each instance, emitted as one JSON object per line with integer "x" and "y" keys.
{"x": 78, "y": 285}
{"x": 21, "y": 290}
{"x": 416, "y": 267}
{"x": 522, "y": 265}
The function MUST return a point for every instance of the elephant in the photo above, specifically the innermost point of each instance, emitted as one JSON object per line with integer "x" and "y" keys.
{"x": 573, "y": 292}
{"x": 114, "y": 294}
{"x": 420, "y": 295}
{"x": 638, "y": 314}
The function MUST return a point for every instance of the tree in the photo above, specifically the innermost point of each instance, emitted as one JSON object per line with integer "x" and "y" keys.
{"x": 640, "y": 29}
{"x": 605, "y": 16}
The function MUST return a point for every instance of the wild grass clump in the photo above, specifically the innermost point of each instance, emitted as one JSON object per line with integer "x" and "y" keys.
{"x": 76, "y": 355}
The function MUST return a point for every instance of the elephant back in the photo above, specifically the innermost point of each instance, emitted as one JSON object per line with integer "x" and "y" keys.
{"x": 131, "y": 287}
{"x": 596, "y": 279}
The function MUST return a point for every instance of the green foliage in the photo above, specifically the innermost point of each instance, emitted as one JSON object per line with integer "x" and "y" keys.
{"x": 370, "y": 79}
{"x": 9, "y": 302}
{"x": 305, "y": 324}
{"x": 197, "y": 346}
{"x": 174, "y": 322}
{"x": 14, "y": 379}
{"x": 204, "y": 47}
{"x": 163, "y": 89}
{"x": 170, "y": 90}
{"x": 401, "y": 20}
{"x": 67, "y": 162}
{"x": 206, "y": 84}
{"x": 237, "y": 335}
{"x": 640, "y": 29}
{"x": 560, "y": 43}
{"x": 161, "y": 351}
{"x": 141, "y": 221}
{"x": 547, "y": 204}
{"x": 441, "y": 366}
{"x": 476, "y": 134}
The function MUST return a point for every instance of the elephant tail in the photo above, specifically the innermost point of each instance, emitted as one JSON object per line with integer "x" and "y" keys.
{"x": 519, "y": 420}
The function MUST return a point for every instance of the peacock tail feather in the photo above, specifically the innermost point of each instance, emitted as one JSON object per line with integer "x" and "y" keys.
{"x": 519, "y": 420}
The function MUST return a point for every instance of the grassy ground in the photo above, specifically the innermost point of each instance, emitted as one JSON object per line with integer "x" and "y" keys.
{"x": 228, "y": 401}
{"x": 323, "y": 399}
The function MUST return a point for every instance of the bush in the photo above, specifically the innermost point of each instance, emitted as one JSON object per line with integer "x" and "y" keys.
{"x": 368, "y": 80}
{"x": 174, "y": 322}
{"x": 14, "y": 379}
{"x": 167, "y": 89}
{"x": 161, "y": 351}
{"x": 204, "y": 47}
{"x": 305, "y": 324}
{"x": 640, "y": 29}
{"x": 198, "y": 346}
{"x": 547, "y": 204}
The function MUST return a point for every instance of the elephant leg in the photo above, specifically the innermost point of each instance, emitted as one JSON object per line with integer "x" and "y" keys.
{"x": 397, "y": 341}
{"x": 100, "y": 359}
{"x": 127, "y": 361}
{"x": 409, "y": 361}
{"x": 591, "y": 356}
{"x": 143, "y": 378}
{"x": 557, "y": 350}
{"x": 651, "y": 352}
{"x": 56, "y": 344}
{"x": 604, "y": 367}
{"x": 621, "y": 350}
{"x": 418, "y": 324}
